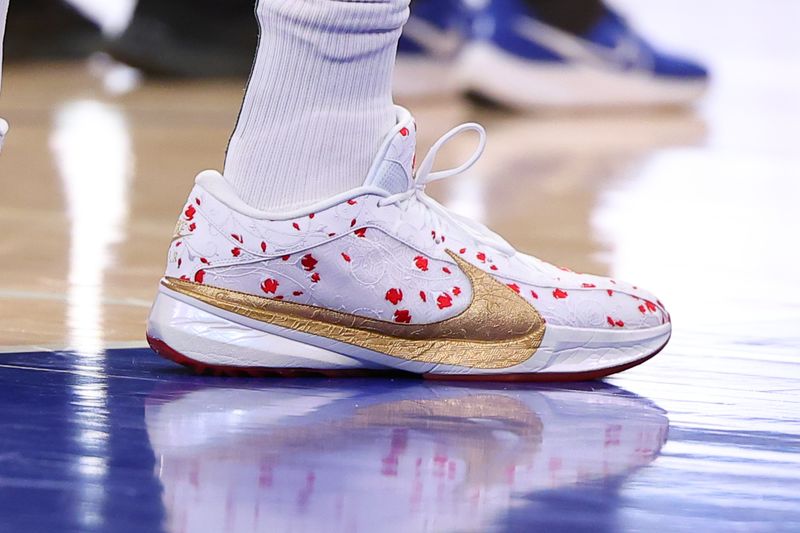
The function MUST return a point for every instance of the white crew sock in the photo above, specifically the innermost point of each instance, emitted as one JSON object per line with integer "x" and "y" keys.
{"x": 319, "y": 100}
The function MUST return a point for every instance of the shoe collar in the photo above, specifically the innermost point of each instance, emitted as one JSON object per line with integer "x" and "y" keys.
{"x": 390, "y": 173}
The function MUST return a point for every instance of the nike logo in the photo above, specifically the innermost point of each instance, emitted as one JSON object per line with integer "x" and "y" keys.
{"x": 438, "y": 43}
{"x": 498, "y": 330}
{"x": 626, "y": 54}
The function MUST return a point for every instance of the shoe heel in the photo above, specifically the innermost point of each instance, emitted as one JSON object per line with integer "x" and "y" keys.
{"x": 208, "y": 343}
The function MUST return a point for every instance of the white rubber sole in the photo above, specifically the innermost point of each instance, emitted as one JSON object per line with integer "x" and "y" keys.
{"x": 204, "y": 337}
{"x": 497, "y": 75}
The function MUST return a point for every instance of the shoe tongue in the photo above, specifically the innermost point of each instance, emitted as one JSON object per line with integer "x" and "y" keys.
{"x": 393, "y": 169}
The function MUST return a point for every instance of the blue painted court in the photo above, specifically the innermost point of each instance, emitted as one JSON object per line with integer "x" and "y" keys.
{"x": 128, "y": 442}
{"x": 700, "y": 205}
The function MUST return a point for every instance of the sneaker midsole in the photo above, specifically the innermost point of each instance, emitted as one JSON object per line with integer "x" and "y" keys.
{"x": 217, "y": 337}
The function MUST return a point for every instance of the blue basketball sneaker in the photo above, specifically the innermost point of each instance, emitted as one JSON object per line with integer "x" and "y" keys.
{"x": 429, "y": 49}
{"x": 516, "y": 59}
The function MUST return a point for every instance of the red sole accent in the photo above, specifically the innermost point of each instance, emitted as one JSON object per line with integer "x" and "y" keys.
{"x": 165, "y": 351}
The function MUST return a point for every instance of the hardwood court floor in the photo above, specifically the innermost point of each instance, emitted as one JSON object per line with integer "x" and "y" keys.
{"x": 699, "y": 206}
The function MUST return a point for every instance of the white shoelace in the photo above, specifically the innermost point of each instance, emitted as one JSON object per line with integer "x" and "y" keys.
{"x": 436, "y": 214}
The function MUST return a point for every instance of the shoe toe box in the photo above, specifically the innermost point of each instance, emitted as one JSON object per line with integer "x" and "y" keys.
{"x": 679, "y": 68}
{"x": 598, "y": 303}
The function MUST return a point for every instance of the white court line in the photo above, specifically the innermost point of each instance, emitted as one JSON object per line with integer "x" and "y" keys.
{"x": 61, "y": 348}
{"x": 56, "y": 297}
{"x": 85, "y": 373}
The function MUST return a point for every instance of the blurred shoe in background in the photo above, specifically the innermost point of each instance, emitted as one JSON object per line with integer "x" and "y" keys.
{"x": 49, "y": 29}
{"x": 191, "y": 39}
{"x": 429, "y": 48}
{"x": 525, "y": 54}
{"x": 518, "y": 58}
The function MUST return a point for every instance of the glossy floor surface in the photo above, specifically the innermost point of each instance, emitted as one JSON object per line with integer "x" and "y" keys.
{"x": 700, "y": 206}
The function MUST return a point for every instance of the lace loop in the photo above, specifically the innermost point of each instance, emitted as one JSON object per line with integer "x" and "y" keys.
{"x": 436, "y": 213}
{"x": 425, "y": 176}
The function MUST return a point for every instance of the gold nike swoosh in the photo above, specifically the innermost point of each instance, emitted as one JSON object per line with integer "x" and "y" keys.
{"x": 498, "y": 329}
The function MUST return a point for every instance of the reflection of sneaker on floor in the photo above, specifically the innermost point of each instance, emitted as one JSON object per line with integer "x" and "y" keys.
{"x": 409, "y": 457}
{"x": 517, "y": 60}
{"x": 429, "y": 48}
{"x": 383, "y": 277}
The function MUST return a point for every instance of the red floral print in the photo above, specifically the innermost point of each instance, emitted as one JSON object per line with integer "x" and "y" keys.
{"x": 402, "y": 316}
{"x": 558, "y": 294}
{"x": 270, "y": 285}
{"x": 308, "y": 262}
{"x": 395, "y": 296}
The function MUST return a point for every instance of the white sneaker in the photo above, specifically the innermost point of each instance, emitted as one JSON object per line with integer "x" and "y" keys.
{"x": 429, "y": 50}
{"x": 384, "y": 277}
